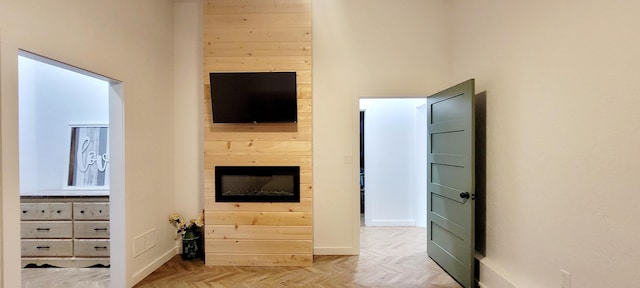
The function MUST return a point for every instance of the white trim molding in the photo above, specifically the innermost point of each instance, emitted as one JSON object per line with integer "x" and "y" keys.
{"x": 491, "y": 276}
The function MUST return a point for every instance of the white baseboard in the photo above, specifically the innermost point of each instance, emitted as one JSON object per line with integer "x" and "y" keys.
{"x": 410, "y": 223}
{"x": 138, "y": 276}
{"x": 491, "y": 276}
{"x": 335, "y": 251}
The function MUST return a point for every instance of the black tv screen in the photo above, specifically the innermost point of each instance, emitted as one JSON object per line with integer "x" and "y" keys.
{"x": 254, "y": 97}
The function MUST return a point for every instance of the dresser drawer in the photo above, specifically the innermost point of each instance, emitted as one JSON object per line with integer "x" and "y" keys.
{"x": 91, "y": 211}
{"x": 91, "y": 248}
{"x": 91, "y": 229}
{"x": 40, "y": 248}
{"x": 45, "y": 211}
{"x": 46, "y": 229}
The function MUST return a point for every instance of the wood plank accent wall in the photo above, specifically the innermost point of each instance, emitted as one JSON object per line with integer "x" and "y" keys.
{"x": 258, "y": 35}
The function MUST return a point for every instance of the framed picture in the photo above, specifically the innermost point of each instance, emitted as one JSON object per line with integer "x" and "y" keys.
{"x": 89, "y": 156}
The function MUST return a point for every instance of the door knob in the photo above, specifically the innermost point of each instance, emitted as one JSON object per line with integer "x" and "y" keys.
{"x": 465, "y": 195}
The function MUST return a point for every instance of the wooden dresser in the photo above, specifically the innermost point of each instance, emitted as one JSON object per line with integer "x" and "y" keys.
{"x": 65, "y": 231}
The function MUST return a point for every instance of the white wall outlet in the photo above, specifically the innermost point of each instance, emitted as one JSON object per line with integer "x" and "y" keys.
{"x": 565, "y": 279}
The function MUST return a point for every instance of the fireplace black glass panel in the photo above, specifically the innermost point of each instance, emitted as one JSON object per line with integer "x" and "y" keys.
{"x": 257, "y": 183}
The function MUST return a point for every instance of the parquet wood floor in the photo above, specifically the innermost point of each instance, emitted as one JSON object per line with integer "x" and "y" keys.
{"x": 389, "y": 257}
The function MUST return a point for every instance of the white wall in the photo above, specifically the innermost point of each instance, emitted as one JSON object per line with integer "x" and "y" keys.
{"x": 28, "y": 141}
{"x": 188, "y": 109}
{"x": 128, "y": 41}
{"x": 51, "y": 99}
{"x": 390, "y": 161}
{"x": 420, "y": 166}
{"x": 372, "y": 48}
{"x": 563, "y": 131}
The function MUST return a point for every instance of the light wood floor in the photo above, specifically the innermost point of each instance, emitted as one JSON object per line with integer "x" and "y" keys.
{"x": 65, "y": 278}
{"x": 389, "y": 257}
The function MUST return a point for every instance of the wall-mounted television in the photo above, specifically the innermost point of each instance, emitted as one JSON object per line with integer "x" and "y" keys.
{"x": 254, "y": 97}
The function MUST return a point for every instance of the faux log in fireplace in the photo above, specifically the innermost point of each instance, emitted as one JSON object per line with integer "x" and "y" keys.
{"x": 257, "y": 183}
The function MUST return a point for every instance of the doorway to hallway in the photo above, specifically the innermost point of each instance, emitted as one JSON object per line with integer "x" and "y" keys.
{"x": 393, "y": 161}
{"x": 65, "y": 158}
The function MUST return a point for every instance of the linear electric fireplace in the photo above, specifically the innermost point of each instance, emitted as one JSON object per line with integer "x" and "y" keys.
{"x": 257, "y": 184}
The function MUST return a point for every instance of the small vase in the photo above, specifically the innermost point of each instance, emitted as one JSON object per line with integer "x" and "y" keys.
{"x": 191, "y": 244}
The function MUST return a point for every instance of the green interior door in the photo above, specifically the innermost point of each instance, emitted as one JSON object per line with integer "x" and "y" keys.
{"x": 450, "y": 181}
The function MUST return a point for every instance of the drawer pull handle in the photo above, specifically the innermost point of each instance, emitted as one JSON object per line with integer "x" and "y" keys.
{"x": 43, "y": 247}
{"x": 81, "y": 211}
{"x": 24, "y": 211}
{"x": 42, "y": 229}
{"x": 100, "y": 247}
{"x": 42, "y": 211}
{"x": 100, "y": 229}
{"x": 58, "y": 211}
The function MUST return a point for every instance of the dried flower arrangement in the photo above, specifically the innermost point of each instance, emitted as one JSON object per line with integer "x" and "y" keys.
{"x": 183, "y": 225}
